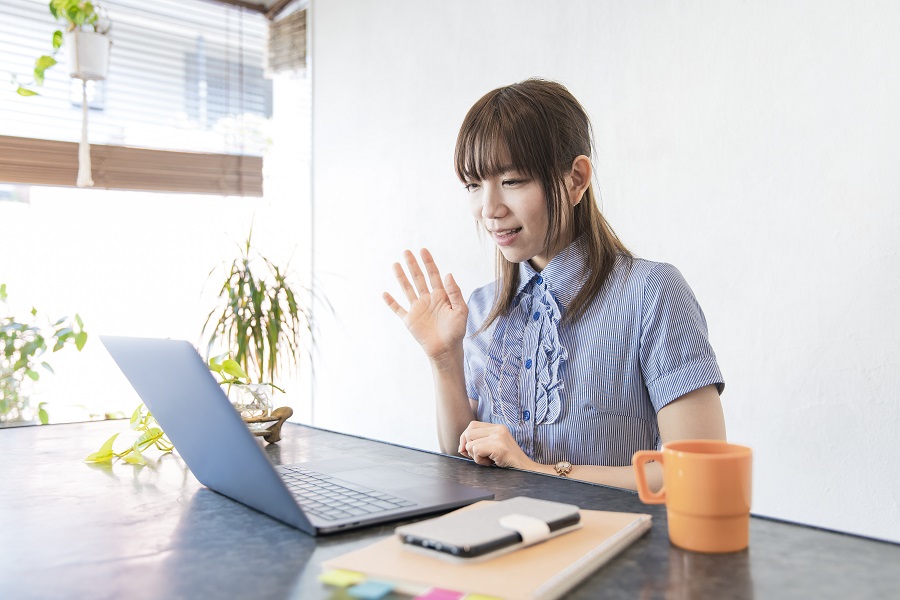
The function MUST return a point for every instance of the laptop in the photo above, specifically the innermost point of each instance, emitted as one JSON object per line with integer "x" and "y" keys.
{"x": 319, "y": 497}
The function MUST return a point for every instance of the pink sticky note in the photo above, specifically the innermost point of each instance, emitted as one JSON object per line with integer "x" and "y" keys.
{"x": 440, "y": 594}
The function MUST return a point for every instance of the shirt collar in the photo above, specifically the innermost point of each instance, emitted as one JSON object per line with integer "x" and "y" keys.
{"x": 564, "y": 274}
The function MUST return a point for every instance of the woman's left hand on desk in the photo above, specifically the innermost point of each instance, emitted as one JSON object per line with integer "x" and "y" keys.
{"x": 492, "y": 444}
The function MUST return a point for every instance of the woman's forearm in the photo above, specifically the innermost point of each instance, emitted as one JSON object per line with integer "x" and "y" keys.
{"x": 622, "y": 477}
{"x": 454, "y": 413}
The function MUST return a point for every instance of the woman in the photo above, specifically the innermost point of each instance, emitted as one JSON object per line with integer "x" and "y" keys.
{"x": 579, "y": 354}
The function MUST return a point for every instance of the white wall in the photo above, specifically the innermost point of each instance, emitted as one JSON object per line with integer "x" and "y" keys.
{"x": 750, "y": 144}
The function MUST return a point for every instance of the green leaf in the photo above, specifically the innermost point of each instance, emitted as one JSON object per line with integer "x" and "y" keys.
{"x": 233, "y": 368}
{"x": 25, "y": 91}
{"x": 105, "y": 453}
{"x": 148, "y": 438}
{"x": 48, "y": 367}
{"x": 136, "y": 417}
{"x": 135, "y": 457}
{"x": 34, "y": 375}
{"x": 79, "y": 321}
{"x": 80, "y": 340}
{"x": 43, "y": 416}
{"x": 3, "y": 294}
{"x": 45, "y": 62}
{"x": 57, "y": 39}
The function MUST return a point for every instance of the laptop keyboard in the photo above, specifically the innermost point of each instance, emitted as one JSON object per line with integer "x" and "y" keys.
{"x": 331, "y": 499}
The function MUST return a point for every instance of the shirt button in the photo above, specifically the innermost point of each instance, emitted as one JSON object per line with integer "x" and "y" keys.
{"x": 528, "y": 363}
{"x": 526, "y": 415}
{"x": 540, "y": 280}
{"x": 536, "y": 315}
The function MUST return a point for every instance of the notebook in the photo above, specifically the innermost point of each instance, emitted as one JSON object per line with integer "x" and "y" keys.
{"x": 543, "y": 571}
{"x": 317, "y": 497}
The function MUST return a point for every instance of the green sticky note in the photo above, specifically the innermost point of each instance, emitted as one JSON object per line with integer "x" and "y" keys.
{"x": 371, "y": 590}
{"x": 341, "y": 578}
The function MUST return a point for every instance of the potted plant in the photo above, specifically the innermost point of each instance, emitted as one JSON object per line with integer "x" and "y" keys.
{"x": 23, "y": 343}
{"x": 86, "y": 34}
{"x": 261, "y": 324}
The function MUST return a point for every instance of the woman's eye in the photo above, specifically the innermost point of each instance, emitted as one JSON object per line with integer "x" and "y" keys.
{"x": 471, "y": 187}
{"x": 510, "y": 182}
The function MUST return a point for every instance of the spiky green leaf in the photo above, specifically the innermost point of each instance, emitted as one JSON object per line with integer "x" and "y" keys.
{"x": 105, "y": 453}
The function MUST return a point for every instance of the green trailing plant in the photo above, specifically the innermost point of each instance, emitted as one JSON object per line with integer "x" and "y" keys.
{"x": 259, "y": 317}
{"x": 148, "y": 434}
{"x": 230, "y": 372}
{"x": 23, "y": 345}
{"x": 77, "y": 15}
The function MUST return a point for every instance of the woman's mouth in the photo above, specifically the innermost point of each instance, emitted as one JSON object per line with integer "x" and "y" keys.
{"x": 505, "y": 237}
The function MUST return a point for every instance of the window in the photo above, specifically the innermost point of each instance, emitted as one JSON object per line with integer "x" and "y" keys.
{"x": 186, "y": 76}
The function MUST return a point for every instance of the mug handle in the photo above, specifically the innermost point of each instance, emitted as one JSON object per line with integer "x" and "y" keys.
{"x": 640, "y": 459}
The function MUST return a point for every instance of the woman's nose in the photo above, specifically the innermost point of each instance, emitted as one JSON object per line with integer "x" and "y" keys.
{"x": 492, "y": 206}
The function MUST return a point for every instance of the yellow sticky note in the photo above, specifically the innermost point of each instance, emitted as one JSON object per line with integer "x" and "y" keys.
{"x": 341, "y": 578}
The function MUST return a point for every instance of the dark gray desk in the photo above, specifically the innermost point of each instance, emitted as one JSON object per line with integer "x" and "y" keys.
{"x": 72, "y": 530}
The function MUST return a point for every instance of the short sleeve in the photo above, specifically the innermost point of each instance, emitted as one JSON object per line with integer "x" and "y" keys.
{"x": 474, "y": 344}
{"x": 676, "y": 356}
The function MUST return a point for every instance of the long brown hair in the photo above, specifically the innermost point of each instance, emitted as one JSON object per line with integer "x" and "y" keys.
{"x": 541, "y": 128}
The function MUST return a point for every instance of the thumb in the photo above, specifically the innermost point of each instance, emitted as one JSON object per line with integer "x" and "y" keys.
{"x": 453, "y": 292}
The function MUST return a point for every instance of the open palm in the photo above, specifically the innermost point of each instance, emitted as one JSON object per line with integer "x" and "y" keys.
{"x": 437, "y": 314}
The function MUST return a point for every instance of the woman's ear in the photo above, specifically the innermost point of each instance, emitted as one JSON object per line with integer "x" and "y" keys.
{"x": 579, "y": 179}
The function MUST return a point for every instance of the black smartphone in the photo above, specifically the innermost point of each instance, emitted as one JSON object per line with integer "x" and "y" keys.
{"x": 477, "y": 531}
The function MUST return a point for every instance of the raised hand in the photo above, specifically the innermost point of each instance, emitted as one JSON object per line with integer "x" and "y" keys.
{"x": 436, "y": 317}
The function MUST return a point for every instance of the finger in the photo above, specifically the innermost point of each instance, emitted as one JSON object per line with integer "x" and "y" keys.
{"x": 405, "y": 285}
{"x": 483, "y": 460}
{"x": 454, "y": 294}
{"x": 473, "y": 425}
{"x": 479, "y": 433}
{"x": 434, "y": 276}
{"x": 480, "y": 452}
{"x": 393, "y": 305}
{"x": 416, "y": 272}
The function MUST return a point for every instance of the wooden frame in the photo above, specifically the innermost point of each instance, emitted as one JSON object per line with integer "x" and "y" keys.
{"x": 50, "y": 162}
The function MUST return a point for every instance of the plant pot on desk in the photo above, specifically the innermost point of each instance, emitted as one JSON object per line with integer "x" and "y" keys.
{"x": 253, "y": 401}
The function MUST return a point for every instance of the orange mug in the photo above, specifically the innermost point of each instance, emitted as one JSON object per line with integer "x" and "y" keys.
{"x": 706, "y": 490}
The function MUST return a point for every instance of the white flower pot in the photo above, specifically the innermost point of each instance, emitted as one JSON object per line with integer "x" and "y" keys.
{"x": 88, "y": 55}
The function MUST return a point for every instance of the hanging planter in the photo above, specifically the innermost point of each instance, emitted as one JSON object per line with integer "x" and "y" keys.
{"x": 88, "y": 55}
{"x": 88, "y": 61}
{"x": 88, "y": 44}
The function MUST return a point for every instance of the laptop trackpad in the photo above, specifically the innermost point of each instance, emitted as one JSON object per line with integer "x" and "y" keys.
{"x": 383, "y": 478}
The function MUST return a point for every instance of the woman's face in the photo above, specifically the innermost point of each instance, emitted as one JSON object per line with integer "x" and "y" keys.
{"x": 512, "y": 207}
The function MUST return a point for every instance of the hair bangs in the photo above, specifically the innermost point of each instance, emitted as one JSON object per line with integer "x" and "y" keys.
{"x": 480, "y": 149}
{"x": 495, "y": 136}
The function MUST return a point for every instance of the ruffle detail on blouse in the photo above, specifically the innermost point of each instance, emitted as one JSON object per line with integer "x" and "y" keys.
{"x": 506, "y": 365}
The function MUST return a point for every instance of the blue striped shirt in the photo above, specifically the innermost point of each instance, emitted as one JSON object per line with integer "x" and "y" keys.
{"x": 587, "y": 392}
